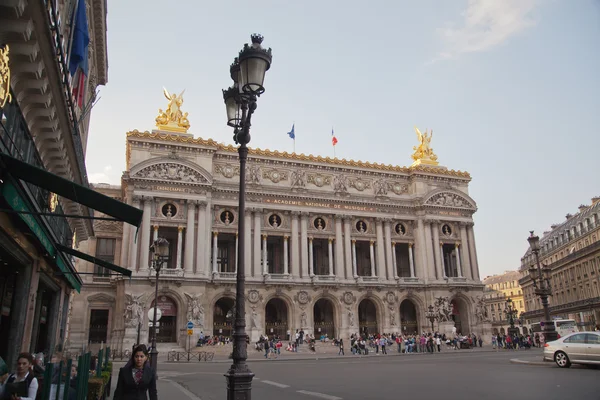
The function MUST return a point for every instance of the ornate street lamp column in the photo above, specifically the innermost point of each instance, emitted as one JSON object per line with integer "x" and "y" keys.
{"x": 160, "y": 255}
{"x": 541, "y": 282}
{"x": 431, "y": 316}
{"x": 248, "y": 74}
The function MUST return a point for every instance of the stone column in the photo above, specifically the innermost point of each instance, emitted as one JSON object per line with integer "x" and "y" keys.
{"x": 441, "y": 250}
{"x": 304, "y": 244}
{"x": 339, "y": 248}
{"x": 286, "y": 268}
{"x": 248, "y": 239}
{"x": 265, "y": 260}
{"x": 473, "y": 253}
{"x": 311, "y": 259}
{"x": 207, "y": 246}
{"x": 188, "y": 261}
{"x": 215, "y": 252}
{"x": 372, "y": 254}
{"x": 155, "y": 235}
{"x": 458, "y": 266}
{"x": 145, "y": 244}
{"x": 294, "y": 246}
{"x": 257, "y": 270}
{"x": 179, "y": 245}
{"x": 411, "y": 261}
{"x": 429, "y": 249}
{"x": 133, "y": 243}
{"x": 125, "y": 246}
{"x": 394, "y": 261}
{"x": 389, "y": 258}
{"x": 421, "y": 259}
{"x": 354, "y": 268}
{"x": 438, "y": 258}
{"x": 464, "y": 248}
{"x": 380, "y": 255}
{"x": 348, "y": 247}
{"x": 201, "y": 239}
{"x": 237, "y": 242}
{"x": 330, "y": 254}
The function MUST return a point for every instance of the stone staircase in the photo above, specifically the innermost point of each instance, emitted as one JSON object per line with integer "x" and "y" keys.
{"x": 223, "y": 351}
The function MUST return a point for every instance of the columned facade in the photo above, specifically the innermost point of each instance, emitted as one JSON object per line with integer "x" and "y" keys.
{"x": 324, "y": 252}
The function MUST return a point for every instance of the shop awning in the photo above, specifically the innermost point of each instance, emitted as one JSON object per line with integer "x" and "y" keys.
{"x": 72, "y": 191}
{"x": 94, "y": 260}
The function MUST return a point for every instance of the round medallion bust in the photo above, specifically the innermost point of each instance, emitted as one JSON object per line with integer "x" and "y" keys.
{"x": 303, "y": 297}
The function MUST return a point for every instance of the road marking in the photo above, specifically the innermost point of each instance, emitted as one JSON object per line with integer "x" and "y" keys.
{"x": 279, "y": 385}
{"x": 319, "y": 395}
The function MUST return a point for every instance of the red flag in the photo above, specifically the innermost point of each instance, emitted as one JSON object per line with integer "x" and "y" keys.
{"x": 333, "y": 138}
{"x": 79, "y": 88}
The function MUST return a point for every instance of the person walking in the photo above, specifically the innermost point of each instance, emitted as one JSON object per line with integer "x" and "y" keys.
{"x": 382, "y": 343}
{"x": 22, "y": 384}
{"x": 137, "y": 381}
{"x": 341, "y": 351}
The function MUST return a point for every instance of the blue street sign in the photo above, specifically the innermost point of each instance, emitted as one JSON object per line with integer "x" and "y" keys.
{"x": 190, "y": 325}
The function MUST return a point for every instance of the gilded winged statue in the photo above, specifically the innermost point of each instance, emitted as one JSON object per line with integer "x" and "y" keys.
{"x": 423, "y": 152}
{"x": 172, "y": 117}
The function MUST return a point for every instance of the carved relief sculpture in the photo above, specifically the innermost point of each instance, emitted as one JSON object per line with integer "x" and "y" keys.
{"x": 195, "y": 310}
{"x": 303, "y": 317}
{"x": 449, "y": 200}
{"x": 275, "y": 176}
{"x": 134, "y": 310}
{"x": 253, "y": 174}
{"x": 392, "y": 316}
{"x": 227, "y": 170}
{"x": 359, "y": 184}
{"x": 171, "y": 172}
{"x": 319, "y": 180}
{"x": 443, "y": 309}
{"x": 298, "y": 178}
{"x": 340, "y": 184}
{"x": 380, "y": 187}
{"x": 350, "y": 316}
{"x": 481, "y": 310}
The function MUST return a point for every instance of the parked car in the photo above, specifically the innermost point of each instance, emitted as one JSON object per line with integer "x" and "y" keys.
{"x": 575, "y": 348}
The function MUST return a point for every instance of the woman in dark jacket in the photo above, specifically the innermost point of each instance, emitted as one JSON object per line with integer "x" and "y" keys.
{"x": 137, "y": 379}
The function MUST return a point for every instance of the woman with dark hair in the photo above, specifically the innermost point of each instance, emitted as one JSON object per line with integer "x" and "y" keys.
{"x": 21, "y": 385}
{"x": 137, "y": 379}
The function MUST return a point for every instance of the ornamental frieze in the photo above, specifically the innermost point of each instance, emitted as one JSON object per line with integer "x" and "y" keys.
{"x": 359, "y": 184}
{"x": 227, "y": 170}
{"x": 449, "y": 200}
{"x": 275, "y": 176}
{"x": 319, "y": 180}
{"x": 171, "y": 172}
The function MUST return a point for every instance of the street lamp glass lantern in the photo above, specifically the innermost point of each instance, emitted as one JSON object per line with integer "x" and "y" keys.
{"x": 232, "y": 106}
{"x": 254, "y": 62}
{"x": 534, "y": 242}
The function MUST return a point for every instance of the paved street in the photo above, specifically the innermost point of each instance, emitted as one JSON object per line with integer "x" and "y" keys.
{"x": 447, "y": 376}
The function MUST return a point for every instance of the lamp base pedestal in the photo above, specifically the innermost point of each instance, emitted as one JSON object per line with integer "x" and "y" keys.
{"x": 514, "y": 331}
{"x": 239, "y": 384}
{"x": 154, "y": 358}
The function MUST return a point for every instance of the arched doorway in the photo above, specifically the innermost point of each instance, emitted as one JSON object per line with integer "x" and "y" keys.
{"x": 460, "y": 316}
{"x": 166, "y": 330}
{"x": 367, "y": 317}
{"x": 324, "y": 317}
{"x": 502, "y": 331}
{"x": 495, "y": 331}
{"x": 223, "y": 313}
{"x": 408, "y": 318}
{"x": 525, "y": 331}
{"x": 276, "y": 319}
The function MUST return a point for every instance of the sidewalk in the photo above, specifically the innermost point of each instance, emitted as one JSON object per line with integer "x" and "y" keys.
{"x": 532, "y": 359}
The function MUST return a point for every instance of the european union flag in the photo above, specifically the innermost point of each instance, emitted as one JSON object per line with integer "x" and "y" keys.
{"x": 291, "y": 133}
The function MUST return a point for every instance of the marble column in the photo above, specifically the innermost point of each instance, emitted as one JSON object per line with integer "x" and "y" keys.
{"x": 464, "y": 248}
{"x": 248, "y": 239}
{"x": 458, "y": 266}
{"x": 394, "y": 260}
{"x": 473, "y": 253}
{"x": 438, "y": 257}
{"x": 256, "y": 251}
{"x": 411, "y": 259}
{"x": 372, "y": 254}
{"x": 354, "y": 268}
{"x": 265, "y": 258}
{"x": 188, "y": 261}
{"x": 179, "y": 245}
{"x": 441, "y": 251}
{"x": 348, "y": 247}
{"x": 294, "y": 245}
{"x": 330, "y": 254}
{"x": 201, "y": 239}
{"x": 311, "y": 259}
{"x": 286, "y": 268}
{"x": 215, "y": 252}
{"x": 389, "y": 258}
{"x": 146, "y": 228}
{"x": 304, "y": 244}
{"x": 133, "y": 241}
{"x": 421, "y": 258}
{"x": 380, "y": 251}
{"x": 155, "y": 234}
{"x": 339, "y": 248}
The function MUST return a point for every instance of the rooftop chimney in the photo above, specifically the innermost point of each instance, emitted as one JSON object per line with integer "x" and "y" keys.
{"x": 582, "y": 208}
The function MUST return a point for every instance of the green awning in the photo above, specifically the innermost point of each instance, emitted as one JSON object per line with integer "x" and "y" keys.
{"x": 94, "y": 260}
{"x": 72, "y": 191}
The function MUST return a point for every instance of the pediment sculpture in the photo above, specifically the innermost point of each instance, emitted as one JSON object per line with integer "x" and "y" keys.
{"x": 171, "y": 172}
{"x": 449, "y": 200}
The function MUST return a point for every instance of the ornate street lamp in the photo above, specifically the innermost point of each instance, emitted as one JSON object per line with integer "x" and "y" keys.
{"x": 160, "y": 255}
{"x": 248, "y": 74}
{"x": 510, "y": 313}
{"x": 431, "y": 316}
{"x": 541, "y": 282}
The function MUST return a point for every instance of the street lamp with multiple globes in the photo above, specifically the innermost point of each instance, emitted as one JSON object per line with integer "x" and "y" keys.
{"x": 160, "y": 255}
{"x": 541, "y": 282}
{"x": 510, "y": 312}
{"x": 431, "y": 316}
{"x": 248, "y": 74}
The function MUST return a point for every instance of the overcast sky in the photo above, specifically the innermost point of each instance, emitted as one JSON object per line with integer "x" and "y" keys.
{"x": 510, "y": 88}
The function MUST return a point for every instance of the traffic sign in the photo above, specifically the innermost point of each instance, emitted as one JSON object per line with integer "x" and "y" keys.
{"x": 151, "y": 314}
{"x": 190, "y": 325}
{"x": 190, "y": 332}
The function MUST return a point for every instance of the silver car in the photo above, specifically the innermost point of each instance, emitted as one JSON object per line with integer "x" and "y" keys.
{"x": 577, "y": 348}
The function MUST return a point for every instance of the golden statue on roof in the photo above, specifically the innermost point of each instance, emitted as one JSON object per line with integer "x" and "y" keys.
{"x": 172, "y": 119}
{"x": 423, "y": 154}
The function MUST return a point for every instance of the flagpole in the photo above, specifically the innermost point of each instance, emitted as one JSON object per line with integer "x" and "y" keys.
{"x": 294, "y": 144}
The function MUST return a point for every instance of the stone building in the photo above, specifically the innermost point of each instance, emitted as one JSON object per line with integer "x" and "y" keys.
{"x": 333, "y": 246}
{"x": 571, "y": 250}
{"x": 498, "y": 289}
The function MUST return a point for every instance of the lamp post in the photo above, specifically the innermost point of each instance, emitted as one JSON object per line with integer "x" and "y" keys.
{"x": 431, "y": 316}
{"x": 541, "y": 282}
{"x": 248, "y": 74}
{"x": 510, "y": 312}
{"x": 160, "y": 255}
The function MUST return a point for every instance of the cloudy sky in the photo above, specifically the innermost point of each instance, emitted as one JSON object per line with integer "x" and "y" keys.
{"x": 510, "y": 88}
